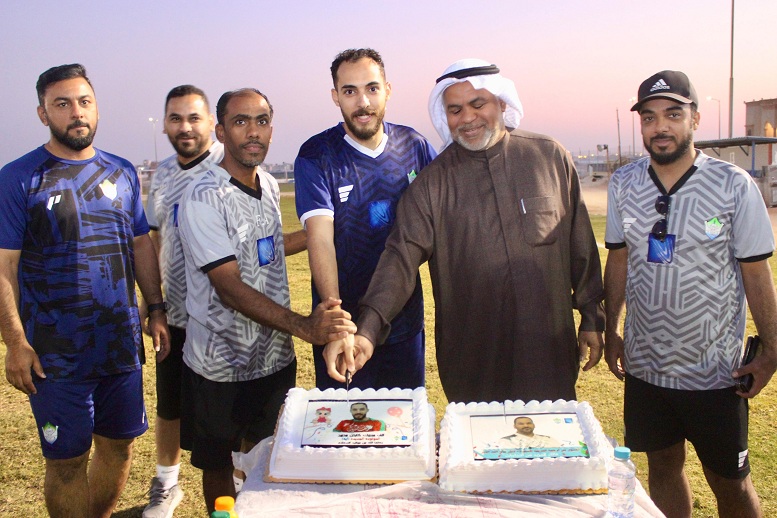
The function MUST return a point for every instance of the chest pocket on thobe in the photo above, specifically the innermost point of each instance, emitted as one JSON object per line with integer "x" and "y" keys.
{"x": 540, "y": 220}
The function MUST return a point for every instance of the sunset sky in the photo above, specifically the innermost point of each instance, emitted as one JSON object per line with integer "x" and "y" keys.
{"x": 574, "y": 62}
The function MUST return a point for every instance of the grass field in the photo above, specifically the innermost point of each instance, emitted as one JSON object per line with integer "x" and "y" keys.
{"x": 21, "y": 464}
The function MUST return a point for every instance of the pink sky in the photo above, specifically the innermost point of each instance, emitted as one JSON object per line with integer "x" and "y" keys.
{"x": 574, "y": 62}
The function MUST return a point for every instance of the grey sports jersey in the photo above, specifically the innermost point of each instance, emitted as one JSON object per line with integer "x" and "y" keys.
{"x": 221, "y": 219}
{"x": 164, "y": 197}
{"x": 685, "y": 320}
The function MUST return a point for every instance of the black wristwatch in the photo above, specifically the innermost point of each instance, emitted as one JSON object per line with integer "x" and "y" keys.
{"x": 159, "y": 306}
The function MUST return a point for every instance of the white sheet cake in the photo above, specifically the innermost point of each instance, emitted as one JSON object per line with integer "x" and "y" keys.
{"x": 483, "y": 450}
{"x": 319, "y": 440}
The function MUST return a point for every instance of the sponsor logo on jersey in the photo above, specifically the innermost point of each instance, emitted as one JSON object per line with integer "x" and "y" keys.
{"x": 712, "y": 228}
{"x": 381, "y": 215}
{"x": 627, "y": 222}
{"x": 266, "y": 250}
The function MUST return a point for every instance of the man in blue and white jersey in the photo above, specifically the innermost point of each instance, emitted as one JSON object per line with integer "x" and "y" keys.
{"x": 239, "y": 357}
{"x": 689, "y": 238}
{"x": 73, "y": 242}
{"x": 188, "y": 124}
{"x": 348, "y": 181}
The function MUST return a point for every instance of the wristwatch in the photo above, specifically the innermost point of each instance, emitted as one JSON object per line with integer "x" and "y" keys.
{"x": 159, "y": 306}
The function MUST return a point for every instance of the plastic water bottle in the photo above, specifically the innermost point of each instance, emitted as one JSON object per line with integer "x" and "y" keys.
{"x": 621, "y": 482}
{"x": 225, "y": 506}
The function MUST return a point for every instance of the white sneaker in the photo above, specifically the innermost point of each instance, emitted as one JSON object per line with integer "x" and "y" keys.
{"x": 163, "y": 501}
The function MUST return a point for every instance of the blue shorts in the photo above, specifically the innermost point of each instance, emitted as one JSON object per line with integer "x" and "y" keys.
{"x": 392, "y": 365}
{"x": 67, "y": 413}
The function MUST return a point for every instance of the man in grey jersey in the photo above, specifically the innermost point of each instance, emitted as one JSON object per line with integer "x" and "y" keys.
{"x": 239, "y": 357}
{"x": 188, "y": 124}
{"x": 688, "y": 238}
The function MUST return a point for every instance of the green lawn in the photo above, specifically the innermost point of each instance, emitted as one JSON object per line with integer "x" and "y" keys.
{"x": 21, "y": 465}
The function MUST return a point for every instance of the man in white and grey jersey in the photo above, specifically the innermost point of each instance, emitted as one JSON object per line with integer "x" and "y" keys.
{"x": 239, "y": 357}
{"x": 188, "y": 123}
{"x": 688, "y": 238}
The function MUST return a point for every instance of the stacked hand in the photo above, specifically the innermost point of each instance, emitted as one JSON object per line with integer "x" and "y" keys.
{"x": 349, "y": 353}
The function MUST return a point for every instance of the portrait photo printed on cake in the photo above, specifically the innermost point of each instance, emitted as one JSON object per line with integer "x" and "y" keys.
{"x": 527, "y": 436}
{"x": 358, "y": 423}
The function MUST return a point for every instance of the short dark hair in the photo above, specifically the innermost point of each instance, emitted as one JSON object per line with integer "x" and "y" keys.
{"x": 221, "y": 106}
{"x": 354, "y": 55}
{"x": 523, "y": 417}
{"x": 57, "y": 74}
{"x": 183, "y": 90}
{"x": 359, "y": 403}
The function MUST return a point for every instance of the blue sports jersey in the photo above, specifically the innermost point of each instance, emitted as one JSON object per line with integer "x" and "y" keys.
{"x": 361, "y": 193}
{"x": 74, "y": 222}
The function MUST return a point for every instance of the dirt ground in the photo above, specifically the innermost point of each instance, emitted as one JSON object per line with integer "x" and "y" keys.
{"x": 595, "y": 196}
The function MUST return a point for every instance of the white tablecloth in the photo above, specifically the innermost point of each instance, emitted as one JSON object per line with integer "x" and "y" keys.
{"x": 264, "y": 499}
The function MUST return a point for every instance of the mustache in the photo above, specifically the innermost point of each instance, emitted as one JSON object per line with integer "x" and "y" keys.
{"x": 363, "y": 111}
{"x": 470, "y": 126}
{"x": 79, "y": 124}
{"x": 254, "y": 143}
{"x": 663, "y": 136}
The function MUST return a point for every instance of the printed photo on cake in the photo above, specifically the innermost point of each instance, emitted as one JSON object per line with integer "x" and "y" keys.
{"x": 529, "y": 436}
{"x": 358, "y": 423}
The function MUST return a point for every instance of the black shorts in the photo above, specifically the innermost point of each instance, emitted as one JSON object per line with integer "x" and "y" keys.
{"x": 215, "y": 416}
{"x": 714, "y": 421}
{"x": 168, "y": 377}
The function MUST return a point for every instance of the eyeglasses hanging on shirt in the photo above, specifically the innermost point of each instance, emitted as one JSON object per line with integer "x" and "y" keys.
{"x": 660, "y": 242}
{"x": 662, "y": 207}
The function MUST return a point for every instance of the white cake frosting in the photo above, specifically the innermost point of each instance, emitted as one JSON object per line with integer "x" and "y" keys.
{"x": 291, "y": 461}
{"x": 459, "y": 471}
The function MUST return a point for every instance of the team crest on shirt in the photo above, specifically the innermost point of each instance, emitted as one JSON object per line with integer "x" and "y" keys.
{"x": 712, "y": 228}
{"x": 50, "y": 432}
{"x": 108, "y": 189}
{"x": 627, "y": 222}
{"x": 411, "y": 176}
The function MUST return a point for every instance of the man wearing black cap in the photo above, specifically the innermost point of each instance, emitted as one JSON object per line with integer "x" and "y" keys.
{"x": 688, "y": 238}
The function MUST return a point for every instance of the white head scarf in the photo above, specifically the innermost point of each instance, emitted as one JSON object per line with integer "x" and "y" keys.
{"x": 484, "y": 75}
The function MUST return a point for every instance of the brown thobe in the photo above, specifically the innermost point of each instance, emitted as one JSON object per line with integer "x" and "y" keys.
{"x": 511, "y": 252}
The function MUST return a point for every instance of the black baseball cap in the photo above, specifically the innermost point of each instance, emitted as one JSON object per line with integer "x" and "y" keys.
{"x": 669, "y": 84}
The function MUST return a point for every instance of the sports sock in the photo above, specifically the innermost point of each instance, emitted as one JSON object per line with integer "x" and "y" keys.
{"x": 168, "y": 475}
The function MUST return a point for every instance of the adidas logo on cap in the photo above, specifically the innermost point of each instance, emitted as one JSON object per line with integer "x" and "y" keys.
{"x": 668, "y": 84}
{"x": 660, "y": 85}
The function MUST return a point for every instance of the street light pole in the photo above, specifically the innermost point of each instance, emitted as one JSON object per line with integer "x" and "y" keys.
{"x": 153, "y": 122}
{"x": 618, "y": 119}
{"x": 633, "y": 139}
{"x": 731, "y": 79}
{"x": 710, "y": 98}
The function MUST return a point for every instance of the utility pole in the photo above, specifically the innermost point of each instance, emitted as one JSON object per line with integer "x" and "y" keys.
{"x": 731, "y": 79}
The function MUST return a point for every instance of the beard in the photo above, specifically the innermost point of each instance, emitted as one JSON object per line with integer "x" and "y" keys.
{"x": 76, "y": 143}
{"x": 668, "y": 157}
{"x": 189, "y": 149}
{"x": 252, "y": 159}
{"x": 490, "y": 137}
{"x": 365, "y": 133}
